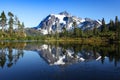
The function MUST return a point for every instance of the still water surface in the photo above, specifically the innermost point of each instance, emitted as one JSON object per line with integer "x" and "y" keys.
{"x": 38, "y": 61}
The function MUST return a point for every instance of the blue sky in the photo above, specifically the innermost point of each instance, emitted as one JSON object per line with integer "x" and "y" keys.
{"x": 31, "y": 12}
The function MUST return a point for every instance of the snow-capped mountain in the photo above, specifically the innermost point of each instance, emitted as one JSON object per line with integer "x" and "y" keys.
{"x": 56, "y": 22}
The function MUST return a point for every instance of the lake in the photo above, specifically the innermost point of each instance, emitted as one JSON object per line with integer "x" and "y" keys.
{"x": 59, "y": 61}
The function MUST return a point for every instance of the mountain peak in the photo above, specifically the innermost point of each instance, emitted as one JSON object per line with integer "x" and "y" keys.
{"x": 64, "y": 13}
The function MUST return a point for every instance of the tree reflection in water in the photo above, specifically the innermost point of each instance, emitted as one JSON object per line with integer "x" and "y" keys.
{"x": 10, "y": 53}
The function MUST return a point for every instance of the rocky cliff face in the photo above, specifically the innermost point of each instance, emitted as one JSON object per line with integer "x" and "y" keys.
{"x": 56, "y": 22}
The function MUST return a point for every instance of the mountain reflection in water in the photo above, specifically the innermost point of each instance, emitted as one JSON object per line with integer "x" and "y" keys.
{"x": 59, "y": 54}
{"x": 72, "y": 53}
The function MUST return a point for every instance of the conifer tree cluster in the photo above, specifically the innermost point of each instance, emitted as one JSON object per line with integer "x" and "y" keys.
{"x": 11, "y": 26}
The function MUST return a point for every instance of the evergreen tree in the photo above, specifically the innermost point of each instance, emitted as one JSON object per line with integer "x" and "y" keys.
{"x": 11, "y": 22}
{"x": 103, "y": 27}
{"x": 3, "y": 20}
{"x": 95, "y": 31}
{"x": 16, "y": 21}
{"x": 117, "y": 32}
{"x": 111, "y": 25}
{"x": 80, "y": 33}
{"x": 22, "y": 27}
{"x": 22, "y": 30}
{"x": 75, "y": 29}
{"x": 57, "y": 24}
{"x": 116, "y": 22}
{"x": 19, "y": 25}
{"x": 19, "y": 29}
{"x": 65, "y": 32}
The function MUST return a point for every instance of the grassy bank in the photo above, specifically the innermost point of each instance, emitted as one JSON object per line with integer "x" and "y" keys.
{"x": 95, "y": 41}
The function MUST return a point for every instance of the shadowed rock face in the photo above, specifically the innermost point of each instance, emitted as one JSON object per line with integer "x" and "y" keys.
{"x": 56, "y": 22}
{"x": 60, "y": 56}
{"x": 89, "y": 25}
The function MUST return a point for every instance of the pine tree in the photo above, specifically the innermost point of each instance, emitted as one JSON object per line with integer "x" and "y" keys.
{"x": 75, "y": 28}
{"x": 16, "y": 21}
{"x": 22, "y": 30}
{"x": 3, "y": 20}
{"x": 57, "y": 26}
{"x": 80, "y": 33}
{"x": 117, "y": 27}
{"x": 19, "y": 29}
{"x": 19, "y": 25}
{"x": 11, "y": 22}
{"x": 119, "y": 31}
{"x": 22, "y": 27}
{"x": 64, "y": 32}
{"x": 95, "y": 31}
{"x": 104, "y": 27}
{"x": 116, "y": 22}
{"x": 111, "y": 25}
